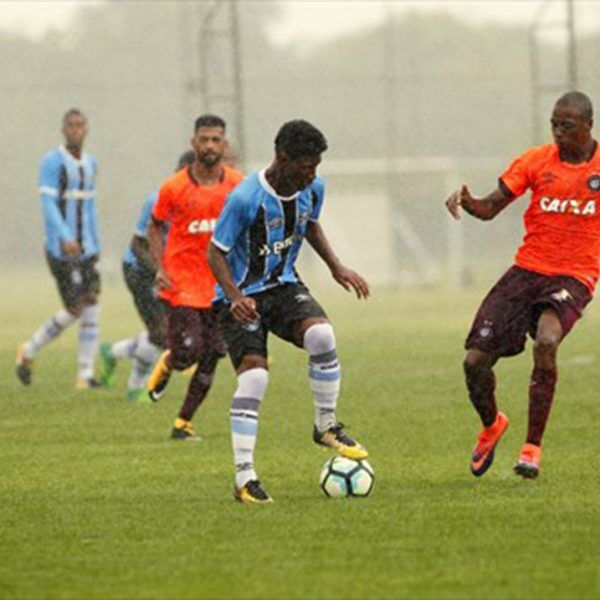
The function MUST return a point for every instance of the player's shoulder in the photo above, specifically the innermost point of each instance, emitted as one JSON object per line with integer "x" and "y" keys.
{"x": 540, "y": 153}
{"x": 248, "y": 189}
{"x": 91, "y": 159}
{"x": 232, "y": 175}
{"x": 318, "y": 185}
{"x": 52, "y": 158}
{"x": 176, "y": 181}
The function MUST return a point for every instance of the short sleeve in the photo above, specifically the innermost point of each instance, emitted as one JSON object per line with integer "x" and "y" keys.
{"x": 141, "y": 228}
{"x": 517, "y": 178}
{"x": 234, "y": 220}
{"x": 317, "y": 193}
{"x": 165, "y": 205}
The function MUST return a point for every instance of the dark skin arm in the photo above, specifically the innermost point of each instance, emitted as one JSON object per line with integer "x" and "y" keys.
{"x": 156, "y": 247}
{"x": 485, "y": 208}
{"x": 347, "y": 278}
{"x": 141, "y": 249}
{"x": 243, "y": 308}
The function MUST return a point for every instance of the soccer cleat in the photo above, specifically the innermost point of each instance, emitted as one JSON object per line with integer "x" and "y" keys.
{"x": 87, "y": 384}
{"x": 157, "y": 383}
{"x": 252, "y": 493}
{"x": 23, "y": 366}
{"x": 483, "y": 454}
{"x": 182, "y": 430}
{"x": 109, "y": 364}
{"x": 344, "y": 445}
{"x": 528, "y": 465}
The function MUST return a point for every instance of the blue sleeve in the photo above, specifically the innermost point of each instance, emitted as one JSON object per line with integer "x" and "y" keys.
{"x": 234, "y": 220}
{"x": 141, "y": 229}
{"x": 318, "y": 194}
{"x": 49, "y": 181}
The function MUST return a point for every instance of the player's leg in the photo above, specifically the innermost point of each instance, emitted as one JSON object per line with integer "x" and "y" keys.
{"x": 65, "y": 275}
{"x": 143, "y": 360}
{"x": 248, "y": 352}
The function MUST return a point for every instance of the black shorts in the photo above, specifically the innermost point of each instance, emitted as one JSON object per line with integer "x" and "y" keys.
{"x": 514, "y": 305}
{"x": 281, "y": 309}
{"x": 140, "y": 283}
{"x": 75, "y": 278}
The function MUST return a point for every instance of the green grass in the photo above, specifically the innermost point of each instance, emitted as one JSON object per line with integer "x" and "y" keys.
{"x": 96, "y": 502}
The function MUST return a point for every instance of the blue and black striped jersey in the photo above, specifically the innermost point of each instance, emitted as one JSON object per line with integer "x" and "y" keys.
{"x": 262, "y": 233}
{"x": 67, "y": 189}
{"x": 141, "y": 229}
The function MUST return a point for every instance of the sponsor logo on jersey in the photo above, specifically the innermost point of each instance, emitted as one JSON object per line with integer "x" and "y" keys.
{"x": 571, "y": 206}
{"x": 278, "y": 247}
{"x": 594, "y": 183}
{"x": 202, "y": 225}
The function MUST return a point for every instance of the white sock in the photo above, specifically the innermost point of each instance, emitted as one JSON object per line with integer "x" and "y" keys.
{"x": 146, "y": 354}
{"x": 88, "y": 340}
{"x": 251, "y": 389}
{"x": 324, "y": 373}
{"x": 124, "y": 348}
{"x": 49, "y": 331}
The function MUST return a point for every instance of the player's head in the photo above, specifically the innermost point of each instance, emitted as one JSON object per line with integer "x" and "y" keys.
{"x": 74, "y": 128}
{"x": 209, "y": 139}
{"x": 572, "y": 121}
{"x": 185, "y": 160}
{"x": 298, "y": 149}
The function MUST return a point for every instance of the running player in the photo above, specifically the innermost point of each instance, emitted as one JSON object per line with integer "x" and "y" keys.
{"x": 68, "y": 196}
{"x": 553, "y": 278}
{"x": 139, "y": 273}
{"x": 252, "y": 254}
{"x": 189, "y": 204}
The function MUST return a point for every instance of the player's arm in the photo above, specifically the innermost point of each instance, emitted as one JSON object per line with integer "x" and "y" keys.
{"x": 346, "y": 277}
{"x": 485, "y": 208}
{"x": 53, "y": 219}
{"x": 141, "y": 249}
{"x": 156, "y": 247}
{"x": 243, "y": 308}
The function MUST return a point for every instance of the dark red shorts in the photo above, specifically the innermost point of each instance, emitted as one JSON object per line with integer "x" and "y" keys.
{"x": 514, "y": 305}
{"x": 191, "y": 333}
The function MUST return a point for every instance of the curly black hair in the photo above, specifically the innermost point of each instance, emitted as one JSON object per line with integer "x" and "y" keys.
{"x": 300, "y": 138}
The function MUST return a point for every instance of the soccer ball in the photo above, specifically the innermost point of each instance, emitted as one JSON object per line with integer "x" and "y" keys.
{"x": 342, "y": 477}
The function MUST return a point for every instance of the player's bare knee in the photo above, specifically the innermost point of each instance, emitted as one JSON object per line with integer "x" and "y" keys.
{"x": 476, "y": 362}
{"x": 251, "y": 361}
{"x": 546, "y": 344}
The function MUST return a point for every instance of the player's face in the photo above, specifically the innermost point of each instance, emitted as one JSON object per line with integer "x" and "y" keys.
{"x": 209, "y": 145}
{"x": 300, "y": 172}
{"x": 570, "y": 130}
{"x": 75, "y": 129}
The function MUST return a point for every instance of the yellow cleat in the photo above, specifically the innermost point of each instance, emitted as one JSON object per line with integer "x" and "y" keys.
{"x": 157, "y": 383}
{"x": 343, "y": 444}
{"x": 182, "y": 430}
{"x": 252, "y": 493}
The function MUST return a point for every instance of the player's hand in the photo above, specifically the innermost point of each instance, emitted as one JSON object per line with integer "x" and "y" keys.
{"x": 163, "y": 282}
{"x": 71, "y": 248}
{"x": 351, "y": 280}
{"x": 244, "y": 310}
{"x": 456, "y": 200}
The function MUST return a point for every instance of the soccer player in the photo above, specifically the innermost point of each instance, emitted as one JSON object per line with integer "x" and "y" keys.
{"x": 189, "y": 204}
{"x": 545, "y": 292}
{"x": 68, "y": 195}
{"x": 252, "y": 254}
{"x": 139, "y": 272}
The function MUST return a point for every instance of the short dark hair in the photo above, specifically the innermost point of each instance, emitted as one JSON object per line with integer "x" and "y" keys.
{"x": 580, "y": 101}
{"x": 209, "y": 121}
{"x": 73, "y": 112}
{"x": 186, "y": 159}
{"x": 300, "y": 138}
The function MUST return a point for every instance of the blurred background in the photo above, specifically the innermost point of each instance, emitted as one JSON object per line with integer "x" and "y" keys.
{"x": 414, "y": 98}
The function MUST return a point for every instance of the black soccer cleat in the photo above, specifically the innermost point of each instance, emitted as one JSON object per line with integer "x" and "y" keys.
{"x": 335, "y": 437}
{"x": 252, "y": 493}
{"x": 23, "y": 367}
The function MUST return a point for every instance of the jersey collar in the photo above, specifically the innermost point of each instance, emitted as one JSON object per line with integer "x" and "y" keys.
{"x": 80, "y": 162}
{"x": 269, "y": 189}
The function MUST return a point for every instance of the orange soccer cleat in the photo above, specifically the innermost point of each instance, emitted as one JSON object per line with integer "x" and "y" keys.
{"x": 528, "y": 465}
{"x": 483, "y": 454}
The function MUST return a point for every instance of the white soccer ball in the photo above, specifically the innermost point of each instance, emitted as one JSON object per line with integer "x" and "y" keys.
{"x": 342, "y": 477}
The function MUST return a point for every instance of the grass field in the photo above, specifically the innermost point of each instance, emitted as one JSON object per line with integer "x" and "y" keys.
{"x": 97, "y": 502}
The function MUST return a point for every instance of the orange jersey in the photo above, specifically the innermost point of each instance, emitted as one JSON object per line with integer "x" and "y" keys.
{"x": 562, "y": 223}
{"x": 191, "y": 212}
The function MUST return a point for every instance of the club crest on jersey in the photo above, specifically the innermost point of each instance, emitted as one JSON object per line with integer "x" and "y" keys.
{"x": 275, "y": 223}
{"x": 202, "y": 225}
{"x": 571, "y": 206}
{"x": 302, "y": 219}
{"x": 594, "y": 183}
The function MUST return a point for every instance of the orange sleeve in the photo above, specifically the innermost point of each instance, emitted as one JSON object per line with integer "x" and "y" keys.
{"x": 163, "y": 209}
{"x": 517, "y": 177}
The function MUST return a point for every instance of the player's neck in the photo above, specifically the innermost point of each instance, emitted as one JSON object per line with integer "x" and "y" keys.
{"x": 278, "y": 183}
{"x": 204, "y": 175}
{"x": 580, "y": 155}
{"x": 74, "y": 151}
